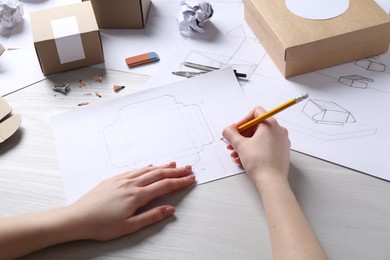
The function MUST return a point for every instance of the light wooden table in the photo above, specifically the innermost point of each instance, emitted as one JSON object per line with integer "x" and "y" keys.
{"x": 224, "y": 219}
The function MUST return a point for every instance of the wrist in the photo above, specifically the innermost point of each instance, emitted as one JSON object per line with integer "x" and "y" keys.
{"x": 271, "y": 180}
{"x": 64, "y": 225}
{"x": 75, "y": 225}
{"x": 34, "y": 231}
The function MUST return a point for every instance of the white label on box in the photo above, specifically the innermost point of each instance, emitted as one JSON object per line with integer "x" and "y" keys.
{"x": 68, "y": 39}
{"x": 317, "y": 9}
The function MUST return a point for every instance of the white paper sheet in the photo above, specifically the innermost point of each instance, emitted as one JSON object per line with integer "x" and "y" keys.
{"x": 352, "y": 99}
{"x": 227, "y": 41}
{"x": 18, "y": 68}
{"x": 180, "y": 122}
{"x": 346, "y": 119}
{"x": 119, "y": 44}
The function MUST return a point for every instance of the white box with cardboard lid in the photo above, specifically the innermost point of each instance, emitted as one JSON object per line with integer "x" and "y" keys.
{"x": 66, "y": 37}
{"x": 298, "y": 45}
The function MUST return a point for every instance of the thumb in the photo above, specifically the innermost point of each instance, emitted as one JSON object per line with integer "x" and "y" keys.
{"x": 232, "y": 135}
{"x": 149, "y": 217}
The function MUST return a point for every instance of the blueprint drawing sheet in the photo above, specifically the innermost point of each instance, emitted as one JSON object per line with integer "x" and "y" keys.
{"x": 180, "y": 122}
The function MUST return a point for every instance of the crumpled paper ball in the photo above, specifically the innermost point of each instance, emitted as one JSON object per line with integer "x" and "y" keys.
{"x": 11, "y": 12}
{"x": 193, "y": 15}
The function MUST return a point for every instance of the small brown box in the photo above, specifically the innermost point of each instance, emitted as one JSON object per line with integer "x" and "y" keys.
{"x": 1, "y": 49}
{"x": 66, "y": 37}
{"x": 298, "y": 45}
{"x": 121, "y": 14}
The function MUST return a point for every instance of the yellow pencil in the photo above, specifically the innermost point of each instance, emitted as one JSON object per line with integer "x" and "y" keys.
{"x": 272, "y": 112}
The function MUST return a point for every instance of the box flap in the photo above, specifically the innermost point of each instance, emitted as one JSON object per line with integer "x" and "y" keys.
{"x": 145, "y": 10}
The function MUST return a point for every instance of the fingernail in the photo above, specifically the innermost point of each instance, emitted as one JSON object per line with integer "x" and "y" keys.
{"x": 191, "y": 177}
{"x": 188, "y": 167}
{"x": 169, "y": 210}
{"x": 171, "y": 164}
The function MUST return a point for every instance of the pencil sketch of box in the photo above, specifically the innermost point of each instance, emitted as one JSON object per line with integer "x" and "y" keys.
{"x": 327, "y": 112}
{"x": 371, "y": 64}
{"x": 134, "y": 140}
{"x": 355, "y": 81}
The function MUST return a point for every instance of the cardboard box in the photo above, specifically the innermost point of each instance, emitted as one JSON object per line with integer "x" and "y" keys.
{"x": 1, "y": 49}
{"x": 298, "y": 45}
{"x": 121, "y": 14}
{"x": 66, "y": 37}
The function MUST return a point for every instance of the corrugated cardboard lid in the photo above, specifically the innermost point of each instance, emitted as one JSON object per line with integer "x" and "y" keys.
{"x": 41, "y": 20}
{"x": 361, "y": 14}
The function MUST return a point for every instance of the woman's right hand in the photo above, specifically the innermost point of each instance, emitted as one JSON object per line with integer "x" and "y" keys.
{"x": 263, "y": 150}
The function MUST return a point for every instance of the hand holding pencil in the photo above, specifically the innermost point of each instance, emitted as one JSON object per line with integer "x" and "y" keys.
{"x": 272, "y": 112}
{"x": 263, "y": 150}
{"x": 264, "y": 153}
{"x": 263, "y": 141}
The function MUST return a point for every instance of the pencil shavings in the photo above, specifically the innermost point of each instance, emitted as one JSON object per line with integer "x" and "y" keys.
{"x": 81, "y": 83}
{"x": 98, "y": 78}
{"x": 98, "y": 94}
{"x": 83, "y": 104}
{"x": 62, "y": 88}
{"x": 117, "y": 88}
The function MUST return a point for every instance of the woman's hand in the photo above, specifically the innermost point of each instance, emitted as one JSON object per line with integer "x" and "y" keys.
{"x": 110, "y": 209}
{"x": 106, "y": 212}
{"x": 263, "y": 150}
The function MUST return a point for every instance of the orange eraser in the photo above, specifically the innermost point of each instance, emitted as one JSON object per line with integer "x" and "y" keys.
{"x": 142, "y": 59}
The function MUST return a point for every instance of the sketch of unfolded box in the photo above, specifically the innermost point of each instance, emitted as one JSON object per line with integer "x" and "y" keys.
{"x": 326, "y": 112}
{"x": 371, "y": 64}
{"x": 355, "y": 81}
{"x": 132, "y": 141}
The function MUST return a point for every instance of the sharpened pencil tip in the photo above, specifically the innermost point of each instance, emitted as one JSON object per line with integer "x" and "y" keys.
{"x": 223, "y": 139}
